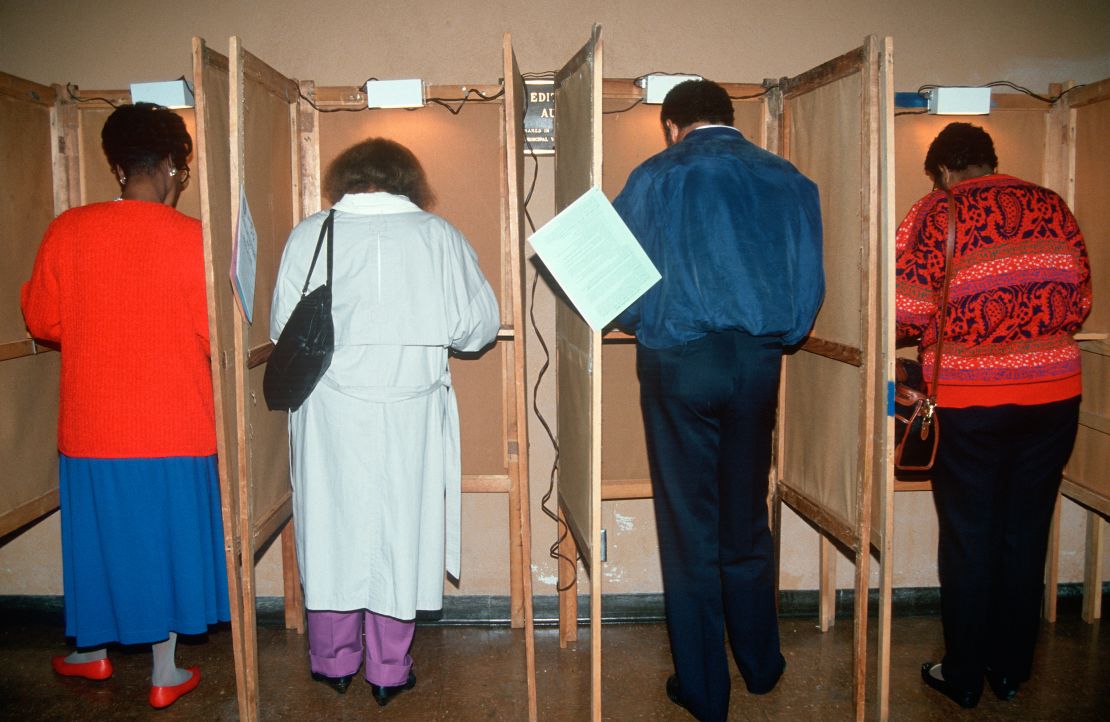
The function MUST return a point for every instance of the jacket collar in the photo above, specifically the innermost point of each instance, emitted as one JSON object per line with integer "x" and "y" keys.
{"x": 375, "y": 204}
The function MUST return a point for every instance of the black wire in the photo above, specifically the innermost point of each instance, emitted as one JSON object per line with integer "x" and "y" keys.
{"x": 90, "y": 99}
{"x": 760, "y": 94}
{"x": 560, "y": 525}
{"x": 482, "y": 98}
{"x": 1005, "y": 84}
{"x": 910, "y": 112}
{"x": 623, "y": 110}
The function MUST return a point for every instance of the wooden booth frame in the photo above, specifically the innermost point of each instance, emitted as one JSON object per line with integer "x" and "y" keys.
{"x": 850, "y": 351}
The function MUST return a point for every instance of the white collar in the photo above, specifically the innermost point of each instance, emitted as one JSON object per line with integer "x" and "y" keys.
{"x": 375, "y": 204}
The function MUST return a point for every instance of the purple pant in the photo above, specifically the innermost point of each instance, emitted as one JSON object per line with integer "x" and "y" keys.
{"x": 335, "y": 645}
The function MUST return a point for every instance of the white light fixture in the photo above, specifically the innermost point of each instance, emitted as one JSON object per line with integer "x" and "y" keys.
{"x": 170, "y": 93}
{"x": 395, "y": 93}
{"x": 960, "y": 101}
{"x": 656, "y": 87}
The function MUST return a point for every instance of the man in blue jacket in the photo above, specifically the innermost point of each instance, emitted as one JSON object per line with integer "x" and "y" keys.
{"x": 735, "y": 232}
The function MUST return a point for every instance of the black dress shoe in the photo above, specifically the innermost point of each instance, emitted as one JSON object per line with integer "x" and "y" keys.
{"x": 674, "y": 691}
{"x": 339, "y": 684}
{"x": 384, "y": 694}
{"x": 1003, "y": 686}
{"x": 965, "y": 698}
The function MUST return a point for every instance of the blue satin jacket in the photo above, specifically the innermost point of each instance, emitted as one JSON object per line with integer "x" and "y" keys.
{"x": 734, "y": 230}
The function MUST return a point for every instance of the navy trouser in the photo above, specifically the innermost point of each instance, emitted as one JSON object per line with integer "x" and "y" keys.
{"x": 995, "y": 481}
{"x": 709, "y": 413}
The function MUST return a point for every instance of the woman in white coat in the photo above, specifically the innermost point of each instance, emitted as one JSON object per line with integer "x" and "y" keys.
{"x": 375, "y": 448}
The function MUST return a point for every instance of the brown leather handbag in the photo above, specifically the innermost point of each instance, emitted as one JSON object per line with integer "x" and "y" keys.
{"x": 916, "y": 426}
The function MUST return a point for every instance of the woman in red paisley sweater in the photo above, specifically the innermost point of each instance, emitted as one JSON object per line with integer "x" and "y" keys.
{"x": 1007, "y": 396}
{"x": 119, "y": 287}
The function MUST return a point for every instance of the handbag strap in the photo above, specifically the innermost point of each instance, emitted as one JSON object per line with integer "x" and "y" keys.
{"x": 325, "y": 230}
{"x": 948, "y": 251}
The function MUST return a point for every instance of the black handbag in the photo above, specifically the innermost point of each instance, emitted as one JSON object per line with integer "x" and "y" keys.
{"x": 303, "y": 351}
{"x": 916, "y": 426}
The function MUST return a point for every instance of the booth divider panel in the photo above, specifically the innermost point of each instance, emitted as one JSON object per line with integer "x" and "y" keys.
{"x": 1091, "y": 456}
{"x": 460, "y": 154}
{"x": 577, "y": 346}
{"x": 822, "y": 427}
{"x": 822, "y": 396}
{"x": 268, "y": 177}
{"x": 824, "y": 128}
{"x": 29, "y": 414}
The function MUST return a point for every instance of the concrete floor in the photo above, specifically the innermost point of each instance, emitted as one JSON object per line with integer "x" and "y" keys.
{"x": 477, "y": 673}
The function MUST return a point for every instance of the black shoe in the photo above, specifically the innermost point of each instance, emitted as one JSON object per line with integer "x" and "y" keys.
{"x": 1003, "y": 686}
{"x": 965, "y": 698}
{"x": 339, "y": 684}
{"x": 674, "y": 692}
{"x": 384, "y": 694}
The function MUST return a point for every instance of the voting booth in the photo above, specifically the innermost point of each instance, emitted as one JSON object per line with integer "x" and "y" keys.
{"x": 257, "y": 151}
{"x": 834, "y": 430}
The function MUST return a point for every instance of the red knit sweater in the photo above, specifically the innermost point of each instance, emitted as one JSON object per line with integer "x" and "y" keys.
{"x": 120, "y": 286}
{"x": 1021, "y": 286}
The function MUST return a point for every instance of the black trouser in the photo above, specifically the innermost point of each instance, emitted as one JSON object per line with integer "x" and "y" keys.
{"x": 709, "y": 413}
{"x": 995, "y": 481}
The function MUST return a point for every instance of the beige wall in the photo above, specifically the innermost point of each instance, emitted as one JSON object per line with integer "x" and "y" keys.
{"x": 339, "y": 42}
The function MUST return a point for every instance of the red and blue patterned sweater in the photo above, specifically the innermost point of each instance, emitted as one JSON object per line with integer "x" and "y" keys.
{"x": 1021, "y": 286}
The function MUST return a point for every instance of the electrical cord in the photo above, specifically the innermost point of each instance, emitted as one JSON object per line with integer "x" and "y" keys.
{"x": 90, "y": 99}
{"x": 561, "y": 526}
{"x": 1004, "y": 84}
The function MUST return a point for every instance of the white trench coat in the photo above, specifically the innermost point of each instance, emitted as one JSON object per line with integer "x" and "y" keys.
{"x": 374, "y": 451}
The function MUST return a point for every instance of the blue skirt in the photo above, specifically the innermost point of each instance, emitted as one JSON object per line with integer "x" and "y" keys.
{"x": 142, "y": 548}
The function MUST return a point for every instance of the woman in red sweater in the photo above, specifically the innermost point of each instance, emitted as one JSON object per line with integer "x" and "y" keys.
{"x": 1008, "y": 396}
{"x": 119, "y": 288}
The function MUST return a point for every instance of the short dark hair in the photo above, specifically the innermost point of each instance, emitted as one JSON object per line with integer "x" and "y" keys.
{"x": 958, "y": 146}
{"x": 697, "y": 100}
{"x": 378, "y": 164}
{"x": 138, "y": 137}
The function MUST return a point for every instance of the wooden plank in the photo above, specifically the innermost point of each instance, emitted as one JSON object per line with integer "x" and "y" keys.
{"x": 568, "y": 583}
{"x": 260, "y": 72}
{"x": 268, "y": 523}
{"x": 25, "y": 513}
{"x": 816, "y": 515}
{"x": 22, "y": 348}
{"x": 826, "y": 583}
{"x": 613, "y": 489}
{"x": 883, "y": 492}
{"x": 829, "y": 72}
{"x": 237, "y": 134}
{"x": 1092, "y": 569}
{"x": 309, "y": 140}
{"x": 259, "y": 355}
{"x": 291, "y": 580}
{"x": 1052, "y": 566}
{"x": 513, "y": 240}
{"x": 1084, "y": 496}
{"x": 833, "y": 350}
{"x": 210, "y": 83}
{"x": 1089, "y": 94}
{"x": 27, "y": 90}
{"x": 65, "y": 153}
{"x": 486, "y": 484}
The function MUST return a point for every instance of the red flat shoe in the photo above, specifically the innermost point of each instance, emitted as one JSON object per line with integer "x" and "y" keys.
{"x": 99, "y": 669}
{"x": 162, "y": 697}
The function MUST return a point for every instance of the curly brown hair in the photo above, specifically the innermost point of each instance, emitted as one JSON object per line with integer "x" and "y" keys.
{"x": 378, "y": 164}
